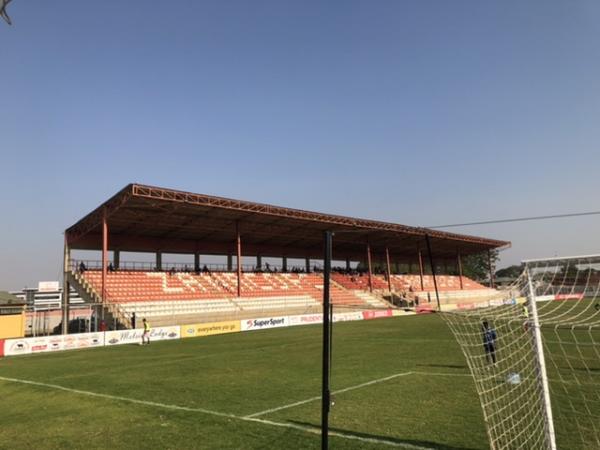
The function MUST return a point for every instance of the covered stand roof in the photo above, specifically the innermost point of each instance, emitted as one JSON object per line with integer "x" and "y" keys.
{"x": 145, "y": 218}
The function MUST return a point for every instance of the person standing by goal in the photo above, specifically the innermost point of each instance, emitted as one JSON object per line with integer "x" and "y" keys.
{"x": 146, "y": 335}
{"x": 489, "y": 341}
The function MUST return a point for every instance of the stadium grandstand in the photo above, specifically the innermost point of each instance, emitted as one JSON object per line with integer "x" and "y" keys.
{"x": 161, "y": 221}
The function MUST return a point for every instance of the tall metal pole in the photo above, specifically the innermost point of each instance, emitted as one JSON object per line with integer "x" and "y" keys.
{"x": 370, "y": 268}
{"x": 421, "y": 270}
{"x": 239, "y": 258}
{"x": 460, "y": 272}
{"x": 541, "y": 360}
{"x": 325, "y": 394}
{"x": 437, "y": 295}
{"x": 389, "y": 270}
{"x": 492, "y": 280}
{"x": 104, "y": 258}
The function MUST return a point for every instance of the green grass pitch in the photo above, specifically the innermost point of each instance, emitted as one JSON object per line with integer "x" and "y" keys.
{"x": 231, "y": 391}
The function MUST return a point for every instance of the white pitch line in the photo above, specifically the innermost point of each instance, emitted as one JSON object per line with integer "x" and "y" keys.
{"x": 312, "y": 399}
{"x": 317, "y": 430}
{"x": 306, "y": 429}
{"x": 123, "y": 399}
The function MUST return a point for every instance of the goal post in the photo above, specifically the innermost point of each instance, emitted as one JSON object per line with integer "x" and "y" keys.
{"x": 534, "y": 354}
{"x": 541, "y": 361}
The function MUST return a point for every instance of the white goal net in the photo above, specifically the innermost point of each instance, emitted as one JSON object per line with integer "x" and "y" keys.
{"x": 535, "y": 356}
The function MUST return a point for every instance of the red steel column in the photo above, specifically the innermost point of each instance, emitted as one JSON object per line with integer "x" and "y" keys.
{"x": 66, "y": 287}
{"x": 369, "y": 264}
{"x": 104, "y": 254}
{"x": 421, "y": 269}
{"x": 389, "y": 271}
{"x": 239, "y": 258}
{"x": 460, "y": 273}
{"x": 492, "y": 280}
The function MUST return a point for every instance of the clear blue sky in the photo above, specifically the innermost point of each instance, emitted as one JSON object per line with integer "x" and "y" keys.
{"x": 417, "y": 112}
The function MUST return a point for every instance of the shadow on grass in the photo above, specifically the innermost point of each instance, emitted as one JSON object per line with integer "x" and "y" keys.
{"x": 445, "y": 366}
{"x": 391, "y": 440}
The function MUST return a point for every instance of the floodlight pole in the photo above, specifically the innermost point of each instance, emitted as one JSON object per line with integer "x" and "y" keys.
{"x": 431, "y": 262}
{"x": 325, "y": 394}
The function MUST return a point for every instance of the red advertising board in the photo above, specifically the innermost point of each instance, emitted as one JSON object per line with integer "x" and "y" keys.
{"x": 368, "y": 315}
{"x": 1, "y": 348}
{"x": 568, "y": 296}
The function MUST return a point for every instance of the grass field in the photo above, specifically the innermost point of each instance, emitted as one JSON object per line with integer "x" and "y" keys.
{"x": 235, "y": 391}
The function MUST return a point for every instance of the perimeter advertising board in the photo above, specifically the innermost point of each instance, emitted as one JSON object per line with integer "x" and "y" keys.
{"x": 207, "y": 329}
{"x": 305, "y": 319}
{"x": 348, "y": 316}
{"x": 135, "y": 336}
{"x": 264, "y": 323}
{"x": 368, "y": 315}
{"x": 52, "y": 343}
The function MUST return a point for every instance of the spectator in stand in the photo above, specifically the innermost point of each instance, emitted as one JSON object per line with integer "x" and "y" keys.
{"x": 186, "y": 268}
{"x": 172, "y": 271}
{"x": 133, "y": 320}
{"x": 205, "y": 269}
{"x": 111, "y": 268}
{"x": 102, "y": 325}
{"x": 82, "y": 267}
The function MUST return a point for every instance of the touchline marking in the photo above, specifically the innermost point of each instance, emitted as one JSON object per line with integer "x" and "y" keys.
{"x": 312, "y": 399}
{"x": 116, "y": 397}
{"x": 317, "y": 430}
{"x": 306, "y": 429}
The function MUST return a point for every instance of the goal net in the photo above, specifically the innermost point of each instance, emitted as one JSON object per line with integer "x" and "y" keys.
{"x": 534, "y": 355}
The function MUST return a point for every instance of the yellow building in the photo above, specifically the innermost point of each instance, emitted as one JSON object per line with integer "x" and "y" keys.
{"x": 12, "y": 316}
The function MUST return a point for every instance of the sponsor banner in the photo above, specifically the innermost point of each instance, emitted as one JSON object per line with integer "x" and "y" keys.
{"x": 498, "y": 302}
{"x": 135, "y": 336}
{"x": 544, "y": 298}
{"x": 17, "y": 347}
{"x": 42, "y": 344}
{"x": 509, "y": 301}
{"x": 1, "y": 348}
{"x": 264, "y": 322}
{"x": 368, "y": 315}
{"x": 207, "y": 329}
{"x": 347, "y": 316}
{"x": 305, "y": 319}
{"x": 48, "y": 286}
{"x": 568, "y": 296}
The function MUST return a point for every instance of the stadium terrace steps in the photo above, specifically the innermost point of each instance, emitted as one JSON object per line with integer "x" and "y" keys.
{"x": 372, "y": 300}
{"x": 406, "y": 282}
{"x": 444, "y": 283}
{"x": 162, "y": 293}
